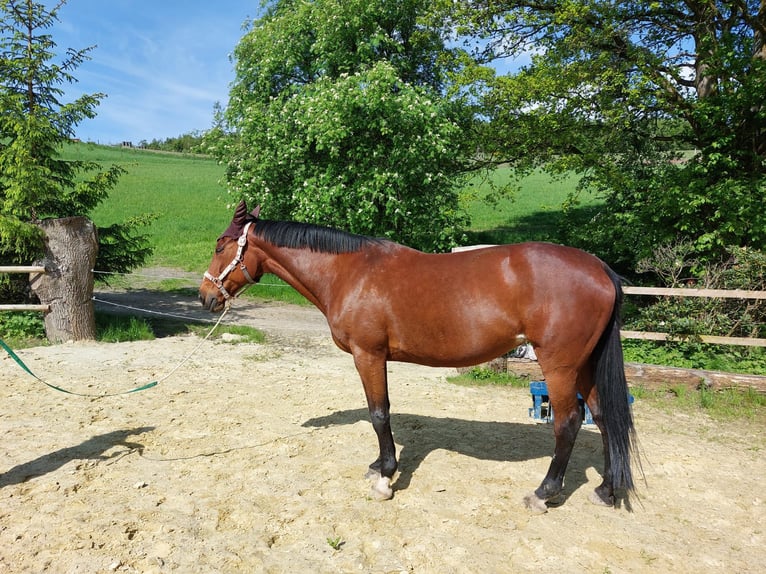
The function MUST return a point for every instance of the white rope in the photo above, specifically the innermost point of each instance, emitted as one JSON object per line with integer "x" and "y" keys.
{"x": 226, "y": 308}
{"x": 183, "y": 361}
{"x": 195, "y": 349}
{"x": 173, "y": 315}
{"x": 161, "y": 278}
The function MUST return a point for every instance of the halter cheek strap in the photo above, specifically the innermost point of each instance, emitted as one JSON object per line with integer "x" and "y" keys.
{"x": 218, "y": 281}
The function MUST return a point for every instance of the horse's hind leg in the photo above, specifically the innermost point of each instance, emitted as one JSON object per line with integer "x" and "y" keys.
{"x": 566, "y": 424}
{"x": 603, "y": 495}
{"x": 372, "y": 370}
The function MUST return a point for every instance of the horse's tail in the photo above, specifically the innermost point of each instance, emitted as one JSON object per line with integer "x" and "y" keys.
{"x": 612, "y": 388}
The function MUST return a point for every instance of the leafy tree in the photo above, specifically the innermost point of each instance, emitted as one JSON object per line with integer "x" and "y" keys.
{"x": 613, "y": 90}
{"x": 337, "y": 116}
{"x": 35, "y": 183}
{"x": 185, "y": 143}
{"x": 688, "y": 317}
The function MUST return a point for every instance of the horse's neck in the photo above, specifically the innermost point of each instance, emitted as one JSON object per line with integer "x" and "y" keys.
{"x": 309, "y": 273}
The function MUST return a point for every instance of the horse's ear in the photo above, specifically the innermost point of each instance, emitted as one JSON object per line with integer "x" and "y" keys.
{"x": 241, "y": 212}
{"x": 238, "y": 223}
{"x": 255, "y": 212}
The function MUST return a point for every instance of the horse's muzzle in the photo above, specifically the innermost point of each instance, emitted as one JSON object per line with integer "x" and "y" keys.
{"x": 211, "y": 302}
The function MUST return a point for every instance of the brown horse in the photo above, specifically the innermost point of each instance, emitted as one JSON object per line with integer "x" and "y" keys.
{"x": 387, "y": 302}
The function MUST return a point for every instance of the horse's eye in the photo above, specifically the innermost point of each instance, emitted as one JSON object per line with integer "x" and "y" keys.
{"x": 219, "y": 249}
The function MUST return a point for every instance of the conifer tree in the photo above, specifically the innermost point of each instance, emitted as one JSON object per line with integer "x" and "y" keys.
{"x": 36, "y": 183}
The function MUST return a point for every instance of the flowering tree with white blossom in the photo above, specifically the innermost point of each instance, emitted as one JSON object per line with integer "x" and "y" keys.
{"x": 338, "y": 116}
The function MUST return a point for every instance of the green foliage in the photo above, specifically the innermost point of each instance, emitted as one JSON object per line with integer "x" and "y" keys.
{"x": 186, "y": 143}
{"x": 336, "y": 543}
{"x": 612, "y": 90}
{"x": 656, "y": 206}
{"x": 36, "y": 181}
{"x": 21, "y": 326}
{"x": 676, "y": 266}
{"x": 119, "y": 329}
{"x": 295, "y": 43}
{"x": 120, "y": 248}
{"x": 479, "y": 376}
{"x": 365, "y": 153}
{"x": 336, "y": 118}
{"x": 695, "y": 355}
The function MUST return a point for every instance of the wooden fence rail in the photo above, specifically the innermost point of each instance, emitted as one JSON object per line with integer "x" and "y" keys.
{"x": 683, "y": 292}
{"x": 23, "y": 269}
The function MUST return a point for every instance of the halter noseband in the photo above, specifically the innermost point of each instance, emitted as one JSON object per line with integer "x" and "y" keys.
{"x": 218, "y": 281}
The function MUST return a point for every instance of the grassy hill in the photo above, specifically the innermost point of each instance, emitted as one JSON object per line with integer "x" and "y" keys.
{"x": 183, "y": 192}
{"x": 534, "y": 212}
{"x": 186, "y": 195}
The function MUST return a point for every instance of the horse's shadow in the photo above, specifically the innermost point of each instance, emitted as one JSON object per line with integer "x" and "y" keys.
{"x": 92, "y": 449}
{"x": 419, "y": 435}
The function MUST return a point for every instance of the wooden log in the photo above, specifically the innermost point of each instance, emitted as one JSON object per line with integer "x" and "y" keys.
{"x": 657, "y": 376}
{"x": 22, "y": 307}
{"x": 21, "y": 269}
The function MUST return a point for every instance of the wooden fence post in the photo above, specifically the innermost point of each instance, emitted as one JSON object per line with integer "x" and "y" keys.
{"x": 67, "y": 286}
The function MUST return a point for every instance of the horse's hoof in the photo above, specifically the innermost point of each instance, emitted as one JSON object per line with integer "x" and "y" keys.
{"x": 372, "y": 474}
{"x": 534, "y": 504}
{"x": 381, "y": 489}
{"x": 555, "y": 501}
{"x": 596, "y": 499}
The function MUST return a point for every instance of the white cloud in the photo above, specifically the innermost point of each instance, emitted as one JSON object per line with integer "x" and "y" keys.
{"x": 162, "y": 65}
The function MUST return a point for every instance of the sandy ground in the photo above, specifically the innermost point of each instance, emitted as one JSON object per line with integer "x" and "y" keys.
{"x": 250, "y": 458}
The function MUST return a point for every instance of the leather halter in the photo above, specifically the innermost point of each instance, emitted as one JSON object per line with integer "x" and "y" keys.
{"x": 218, "y": 281}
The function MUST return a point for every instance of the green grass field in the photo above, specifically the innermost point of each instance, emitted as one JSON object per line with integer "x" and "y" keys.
{"x": 183, "y": 192}
{"x": 532, "y": 213}
{"x": 186, "y": 195}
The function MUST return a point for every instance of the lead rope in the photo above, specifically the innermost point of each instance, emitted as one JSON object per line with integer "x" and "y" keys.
{"x": 195, "y": 349}
{"x": 149, "y": 385}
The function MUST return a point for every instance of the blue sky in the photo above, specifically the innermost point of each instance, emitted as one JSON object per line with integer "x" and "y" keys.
{"x": 162, "y": 64}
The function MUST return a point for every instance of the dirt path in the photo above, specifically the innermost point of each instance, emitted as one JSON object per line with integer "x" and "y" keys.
{"x": 250, "y": 459}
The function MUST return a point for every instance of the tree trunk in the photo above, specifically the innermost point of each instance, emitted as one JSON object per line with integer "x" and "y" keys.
{"x": 759, "y": 53}
{"x": 67, "y": 286}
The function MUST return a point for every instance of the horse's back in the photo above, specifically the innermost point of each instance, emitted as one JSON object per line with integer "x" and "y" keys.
{"x": 466, "y": 307}
{"x": 509, "y": 272}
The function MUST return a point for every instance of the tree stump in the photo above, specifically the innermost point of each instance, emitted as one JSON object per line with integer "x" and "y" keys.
{"x": 71, "y": 246}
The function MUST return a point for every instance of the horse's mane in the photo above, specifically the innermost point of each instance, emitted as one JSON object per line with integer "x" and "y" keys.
{"x": 296, "y": 235}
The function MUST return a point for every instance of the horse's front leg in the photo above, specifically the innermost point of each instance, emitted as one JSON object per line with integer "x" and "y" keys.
{"x": 372, "y": 370}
